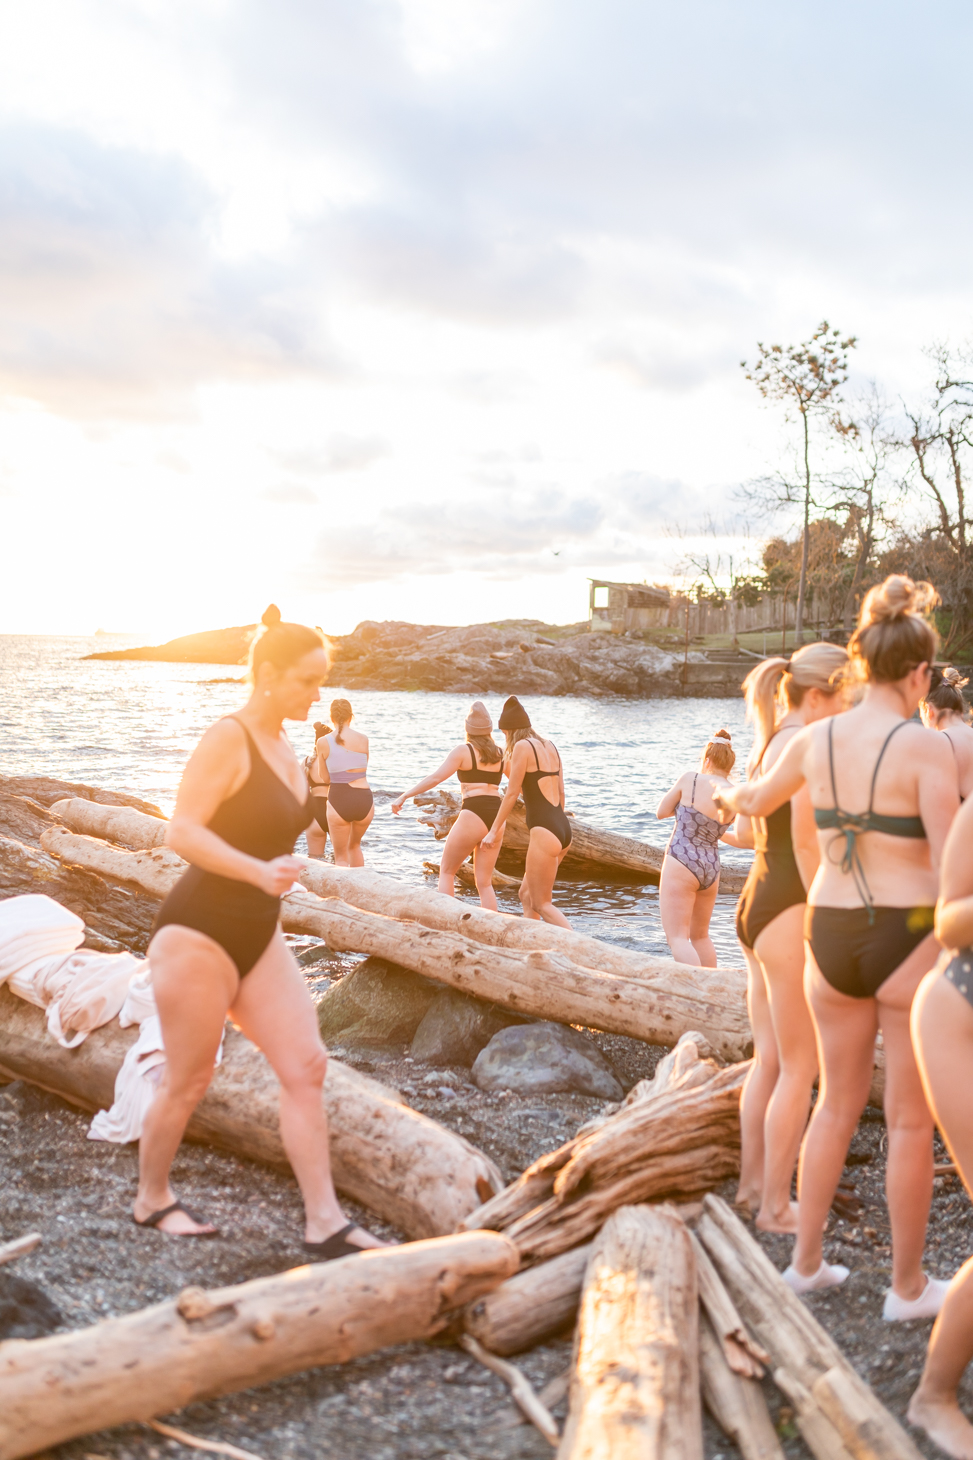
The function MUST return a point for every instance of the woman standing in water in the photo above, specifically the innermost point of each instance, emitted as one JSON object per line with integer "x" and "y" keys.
{"x": 217, "y": 948}
{"x": 782, "y": 698}
{"x": 530, "y": 760}
{"x": 318, "y": 784}
{"x": 351, "y": 805}
{"x": 884, "y": 793}
{"x": 945, "y": 709}
{"x": 942, "y": 1032}
{"x": 690, "y": 876}
{"x": 478, "y": 766}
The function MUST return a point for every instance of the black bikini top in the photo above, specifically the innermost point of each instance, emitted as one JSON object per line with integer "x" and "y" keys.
{"x": 856, "y": 824}
{"x": 475, "y": 776}
{"x": 264, "y": 818}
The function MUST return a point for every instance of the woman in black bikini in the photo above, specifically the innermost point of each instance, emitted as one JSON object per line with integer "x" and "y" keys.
{"x": 478, "y": 766}
{"x": 884, "y": 793}
{"x": 944, "y": 709}
{"x": 217, "y": 948}
{"x": 529, "y": 761}
{"x": 319, "y": 784}
{"x": 782, "y": 697}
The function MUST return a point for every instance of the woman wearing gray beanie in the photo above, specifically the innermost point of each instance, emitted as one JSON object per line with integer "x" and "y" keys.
{"x": 478, "y": 766}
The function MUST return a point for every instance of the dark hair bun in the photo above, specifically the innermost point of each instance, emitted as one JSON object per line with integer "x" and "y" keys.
{"x": 271, "y": 617}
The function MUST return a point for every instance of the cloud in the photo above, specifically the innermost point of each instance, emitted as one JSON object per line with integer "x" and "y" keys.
{"x": 290, "y": 494}
{"x": 343, "y": 453}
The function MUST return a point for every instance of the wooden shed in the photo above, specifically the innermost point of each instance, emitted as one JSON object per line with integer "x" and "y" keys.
{"x": 617, "y": 607}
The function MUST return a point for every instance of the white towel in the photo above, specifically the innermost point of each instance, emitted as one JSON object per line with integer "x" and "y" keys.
{"x": 35, "y": 927}
{"x": 93, "y": 988}
{"x": 135, "y": 1086}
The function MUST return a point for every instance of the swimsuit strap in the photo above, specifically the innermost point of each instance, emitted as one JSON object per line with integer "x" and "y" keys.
{"x": 539, "y": 772}
{"x": 473, "y": 765}
{"x": 692, "y": 794}
{"x": 951, "y": 745}
{"x": 871, "y": 794}
{"x": 855, "y": 824}
{"x": 533, "y": 747}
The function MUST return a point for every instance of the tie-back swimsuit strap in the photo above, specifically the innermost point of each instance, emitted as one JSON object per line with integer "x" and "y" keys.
{"x": 694, "y": 842}
{"x": 540, "y": 811}
{"x": 485, "y": 807}
{"x": 774, "y": 882}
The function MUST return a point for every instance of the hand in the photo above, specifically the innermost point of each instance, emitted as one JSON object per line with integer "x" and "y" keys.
{"x": 490, "y": 840}
{"x": 397, "y": 805}
{"x": 279, "y": 876}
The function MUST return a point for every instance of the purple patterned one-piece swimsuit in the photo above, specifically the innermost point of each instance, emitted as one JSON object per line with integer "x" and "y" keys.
{"x": 695, "y": 842}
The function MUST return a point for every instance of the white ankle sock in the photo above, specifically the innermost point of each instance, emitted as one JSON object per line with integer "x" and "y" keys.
{"x": 825, "y": 1277}
{"x": 927, "y": 1305}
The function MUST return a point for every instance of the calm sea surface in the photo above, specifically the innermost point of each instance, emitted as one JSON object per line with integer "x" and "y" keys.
{"x": 131, "y": 726}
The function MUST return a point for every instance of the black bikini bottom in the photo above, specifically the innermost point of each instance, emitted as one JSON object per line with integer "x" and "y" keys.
{"x": 237, "y": 915}
{"x": 552, "y": 818}
{"x": 351, "y": 803}
{"x": 773, "y": 884}
{"x": 856, "y": 955}
{"x": 959, "y": 972}
{"x": 485, "y": 807}
{"x": 319, "y": 810}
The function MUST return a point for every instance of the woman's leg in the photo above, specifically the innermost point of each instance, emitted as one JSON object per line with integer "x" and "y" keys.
{"x": 677, "y": 896}
{"x": 942, "y": 1032}
{"x": 464, "y": 835}
{"x": 780, "y": 949}
{"x": 758, "y": 1087}
{"x": 194, "y": 981}
{"x": 699, "y": 921}
{"x": 274, "y": 1010}
{"x": 358, "y": 830}
{"x": 317, "y": 836}
{"x": 544, "y": 854}
{"x": 340, "y": 837}
{"x": 846, "y": 1030}
{"x": 484, "y": 862}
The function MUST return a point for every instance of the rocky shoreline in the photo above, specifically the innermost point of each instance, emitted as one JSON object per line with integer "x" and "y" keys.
{"x": 514, "y": 656}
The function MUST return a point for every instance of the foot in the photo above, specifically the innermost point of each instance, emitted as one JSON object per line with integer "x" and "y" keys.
{"x": 781, "y": 1221}
{"x": 321, "y": 1231}
{"x": 944, "y": 1423}
{"x": 927, "y": 1305}
{"x": 825, "y": 1277}
{"x": 177, "y": 1222}
{"x": 747, "y": 1200}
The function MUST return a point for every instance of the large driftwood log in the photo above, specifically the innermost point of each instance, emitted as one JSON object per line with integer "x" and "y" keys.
{"x": 736, "y": 1403}
{"x": 837, "y": 1412}
{"x": 635, "y": 1389}
{"x": 680, "y": 1138}
{"x": 530, "y": 1306}
{"x": 398, "y": 1163}
{"x": 541, "y": 983}
{"x": 742, "y": 1354}
{"x": 218, "y": 1342}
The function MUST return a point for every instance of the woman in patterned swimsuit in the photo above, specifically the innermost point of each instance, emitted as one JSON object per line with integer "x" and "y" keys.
{"x": 691, "y": 871}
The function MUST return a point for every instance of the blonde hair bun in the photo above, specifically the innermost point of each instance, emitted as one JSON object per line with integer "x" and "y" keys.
{"x": 721, "y": 735}
{"x": 952, "y": 676}
{"x": 894, "y": 599}
{"x": 270, "y": 617}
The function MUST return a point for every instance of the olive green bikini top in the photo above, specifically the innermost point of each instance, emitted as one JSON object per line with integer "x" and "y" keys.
{"x": 856, "y": 824}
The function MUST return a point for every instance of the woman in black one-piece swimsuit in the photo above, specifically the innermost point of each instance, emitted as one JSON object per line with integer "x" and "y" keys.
{"x": 217, "y": 948}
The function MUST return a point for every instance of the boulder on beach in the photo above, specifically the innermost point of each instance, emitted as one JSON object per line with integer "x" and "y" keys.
{"x": 377, "y": 1003}
{"x": 456, "y": 1027}
{"x": 215, "y": 646}
{"x": 545, "y": 1059}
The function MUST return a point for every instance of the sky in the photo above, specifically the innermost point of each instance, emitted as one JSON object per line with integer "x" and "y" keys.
{"x": 433, "y": 309}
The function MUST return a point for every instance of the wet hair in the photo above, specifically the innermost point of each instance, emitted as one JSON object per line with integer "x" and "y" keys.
{"x": 486, "y": 748}
{"x": 778, "y": 685}
{"x": 341, "y": 714}
{"x": 282, "y": 644}
{"x": 719, "y": 752}
{"x": 946, "y": 690}
{"x": 894, "y": 635}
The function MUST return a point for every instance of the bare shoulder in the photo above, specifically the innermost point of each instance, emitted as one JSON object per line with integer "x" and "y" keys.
{"x": 225, "y": 737}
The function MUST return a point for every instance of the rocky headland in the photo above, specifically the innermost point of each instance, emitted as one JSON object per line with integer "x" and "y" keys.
{"x": 514, "y": 656}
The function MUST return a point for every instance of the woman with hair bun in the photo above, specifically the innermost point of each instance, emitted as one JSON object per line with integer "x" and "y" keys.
{"x": 884, "y": 793}
{"x": 351, "y": 805}
{"x": 478, "y": 766}
{"x": 690, "y": 876}
{"x": 945, "y": 709}
{"x": 530, "y": 760}
{"x": 782, "y": 696}
{"x": 318, "y": 783}
{"x": 217, "y": 947}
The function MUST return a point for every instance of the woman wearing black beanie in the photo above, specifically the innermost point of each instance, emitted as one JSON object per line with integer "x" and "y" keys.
{"x": 531, "y": 760}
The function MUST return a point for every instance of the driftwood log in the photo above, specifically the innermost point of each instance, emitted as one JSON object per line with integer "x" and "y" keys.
{"x": 420, "y": 1177}
{"x": 466, "y": 877}
{"x": 742, "y": 1354}
{"x": 592, "y": 852}
{"x": 837, "y": 1413}
{"x": 541, "y": 983}
{"x": 217, "y": 1342}
{"x": 531, "y": 1306}
{"x": 679, "y": 1136}
{"x": 736, "y": 1403}
{"x": 635, "y": 1390}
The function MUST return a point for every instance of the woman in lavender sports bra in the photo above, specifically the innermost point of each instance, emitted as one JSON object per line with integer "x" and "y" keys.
{"x": 691, "y": 871}
{"x": 351, "y": 805}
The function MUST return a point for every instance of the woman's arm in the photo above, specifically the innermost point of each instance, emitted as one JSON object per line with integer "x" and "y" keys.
{"x": 767, "y": 793}
{"x": 322, "y": 749}
{"x": 804, "y": 836}
{"x": 669, "y": 802}
{"x": 450, "y": 765}
{"x": 217, "y": 768}
{"x": 954, "y": 910}
{"x": 515, "y": 780}
{"x": 938, "y": 790}
{"x": 742, "y": 834}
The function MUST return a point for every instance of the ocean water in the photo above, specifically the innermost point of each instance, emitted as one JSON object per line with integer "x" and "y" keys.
{"x": 131, "y": 726}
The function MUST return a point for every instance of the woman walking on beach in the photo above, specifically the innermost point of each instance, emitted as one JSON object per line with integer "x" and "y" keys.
{"x": 530, "y": 760}
{"x": 942, "y": 1033}
{"x": 318, "y": 783}
{"x": 884, "y": 793}
{"x": 351, "y": 805}
{"x": 478, "y": 766}
{"x": 690, "y": 876}
{"x": 945, "y": 709}
{"x": 782, "y": 698}
{"x": 217, "y": 948}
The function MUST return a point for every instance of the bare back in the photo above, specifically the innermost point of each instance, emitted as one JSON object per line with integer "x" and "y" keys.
{"x": 960, "y": 737}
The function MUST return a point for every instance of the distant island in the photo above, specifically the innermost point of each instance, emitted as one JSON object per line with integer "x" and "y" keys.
{"x": 512, "y": 656}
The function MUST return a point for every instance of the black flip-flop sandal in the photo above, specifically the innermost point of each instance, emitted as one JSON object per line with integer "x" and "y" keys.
{"x": 177, "y": 1206}
{"x": 334, "y": 1246}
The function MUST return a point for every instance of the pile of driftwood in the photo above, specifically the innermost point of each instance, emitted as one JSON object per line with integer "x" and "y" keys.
{"x": 592, "y": 853}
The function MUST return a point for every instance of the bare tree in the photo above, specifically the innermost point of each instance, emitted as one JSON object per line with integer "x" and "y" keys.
{"x": 865, "y": 493}
{"x": 726, "y": 578}
{"x": 807, "y": 379}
